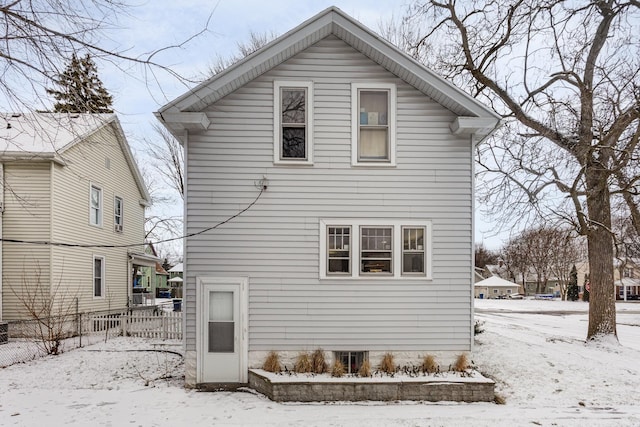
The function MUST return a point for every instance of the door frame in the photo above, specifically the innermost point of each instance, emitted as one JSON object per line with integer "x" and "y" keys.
{"x": 202, "y": 285}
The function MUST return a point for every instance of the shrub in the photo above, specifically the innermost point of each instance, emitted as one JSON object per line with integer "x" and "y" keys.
{"x": 318, "y": 362}
{"x": 429, "y": 364}
{"x": 303, "y": 364}
{"x": 462, "y": 363}
{"x": 338, "y": 369}
{"x": 365, "y": 369}
{"x": 499, "y": 400}
{"x": 272, "y": 363}
{"x": 387, "y": 364}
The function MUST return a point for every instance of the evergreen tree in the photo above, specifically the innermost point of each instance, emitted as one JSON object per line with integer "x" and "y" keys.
{"x": 572, "y": 289}
{"x": 585, "y": 292}
{"x": 80, "y": 89}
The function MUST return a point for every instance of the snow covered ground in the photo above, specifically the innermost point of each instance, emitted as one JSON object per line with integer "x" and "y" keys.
{"x": 533, "y": 349}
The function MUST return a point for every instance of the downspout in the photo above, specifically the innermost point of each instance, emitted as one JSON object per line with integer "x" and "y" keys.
{"x": 1, "y": 220}
{"x": 474, "y": 141}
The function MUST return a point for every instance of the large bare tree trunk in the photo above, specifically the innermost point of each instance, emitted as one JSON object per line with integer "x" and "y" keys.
{"x": 602, "y": 307}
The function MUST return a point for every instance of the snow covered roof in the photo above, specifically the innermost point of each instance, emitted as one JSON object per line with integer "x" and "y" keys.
{"x": 46, "y": 136}
{"x": 176, "y": 269}
{"x": 184, "y": 113}
{"x": 496, "y": 282}
{"x": 47, "y": 133}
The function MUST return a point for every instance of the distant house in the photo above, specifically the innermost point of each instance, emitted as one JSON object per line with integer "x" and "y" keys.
{"x": 495, "y": 287}
{"x": 153, "y": 279}
{"x": 175, "y": 280}
{"x": 72, "y": 198}
{"x": 626, "y": 278}
{"x": 356, "y": 165}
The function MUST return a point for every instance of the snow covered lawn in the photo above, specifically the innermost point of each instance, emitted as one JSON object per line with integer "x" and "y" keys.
{"x": 533, "y": 349}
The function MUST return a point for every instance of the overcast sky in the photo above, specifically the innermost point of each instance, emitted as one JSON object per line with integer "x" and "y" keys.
{"x": 156, "y": 24}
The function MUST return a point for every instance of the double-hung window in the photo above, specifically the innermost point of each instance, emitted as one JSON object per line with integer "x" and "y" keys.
{"x": 361, "y": 248}
{"x": 118, "y": 212}
{"x": 413, "y": 253}
{"x": 95, "y": 205}
{"x": 293, "y": 122}
{"x": 98, "y": 276}
{"x": 373, "y": 124}
{"x": 376, "y": 251}
{"x": 339, "y": 250}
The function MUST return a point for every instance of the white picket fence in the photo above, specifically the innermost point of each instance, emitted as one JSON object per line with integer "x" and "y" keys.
{"x": 161, "y": 325}
{"x": 158, "y": 324}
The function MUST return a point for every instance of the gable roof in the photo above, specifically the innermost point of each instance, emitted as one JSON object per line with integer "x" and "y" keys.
{"x": 178, "y": 268}
{"x": 496, "y": 282}
{"x": 47, "y": 136}
{"x": 183, "y": 112}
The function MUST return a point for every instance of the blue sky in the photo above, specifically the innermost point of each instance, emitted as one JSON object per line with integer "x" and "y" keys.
{"x": 156, "y": 24}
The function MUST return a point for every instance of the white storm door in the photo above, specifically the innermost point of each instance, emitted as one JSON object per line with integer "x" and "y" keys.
{"x": 223, "y": 351}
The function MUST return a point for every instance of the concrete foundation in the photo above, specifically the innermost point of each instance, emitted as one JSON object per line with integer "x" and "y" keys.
{"x": 359, "y": 389}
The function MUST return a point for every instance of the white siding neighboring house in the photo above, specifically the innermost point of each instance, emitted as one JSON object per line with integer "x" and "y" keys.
{"x": 361, "y": 238}
{"x": 68, "y": 179}
{"x": 495, "y": 287}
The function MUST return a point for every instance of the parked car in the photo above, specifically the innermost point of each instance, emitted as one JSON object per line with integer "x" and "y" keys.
{"x": 516, "y": 296}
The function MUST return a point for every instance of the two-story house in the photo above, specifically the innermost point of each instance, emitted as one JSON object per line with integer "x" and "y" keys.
{"x": 72, "y": 213}
{"x": 329, "y": 204}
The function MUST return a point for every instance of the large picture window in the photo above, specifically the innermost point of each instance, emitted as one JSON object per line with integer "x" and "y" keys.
{"x": 366, "y": 248}
{"x": 373, "y": 124}
{"x": 293, "y": 122}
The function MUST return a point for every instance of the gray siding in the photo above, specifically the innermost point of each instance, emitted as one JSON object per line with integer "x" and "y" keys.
{"x": 276, "y": 242}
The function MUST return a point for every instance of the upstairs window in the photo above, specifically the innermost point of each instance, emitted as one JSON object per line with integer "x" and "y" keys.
{"x": 118, "y": 211}
{"x": 95, "y": 205}
{"x": 293, "y": 122}
{"x": 373, "y": 124}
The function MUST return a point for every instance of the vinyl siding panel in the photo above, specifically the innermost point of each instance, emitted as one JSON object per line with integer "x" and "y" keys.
{"x": 276, "y": 242}
{"x": 26, "y": 269}
{"x": 100, "y": 161}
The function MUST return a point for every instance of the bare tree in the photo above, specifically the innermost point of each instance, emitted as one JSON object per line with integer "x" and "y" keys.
{"x": 39, "y": 37}
{"x": 516, "y": 258}
{"x": 256, "y": 41}
{"x": 544, "y": 253}
{"x": 50, "y": 309}
{"x": 566, "y": 253}
{"x": 566, "y": 76}
{"x": 167, "y": 159}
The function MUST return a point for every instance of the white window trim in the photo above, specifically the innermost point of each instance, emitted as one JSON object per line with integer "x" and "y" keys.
{"x": 277, "y": 117}
{"x": 115, "y": 224}
{"x": 355, "y": 123}
{"x": 355, "y": 224}
{"x": 93, "y": 275}
{"x": 101, "y": 205}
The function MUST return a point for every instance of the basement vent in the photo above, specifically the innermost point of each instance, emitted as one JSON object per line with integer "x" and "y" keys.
{"x": 4, "y": 332}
